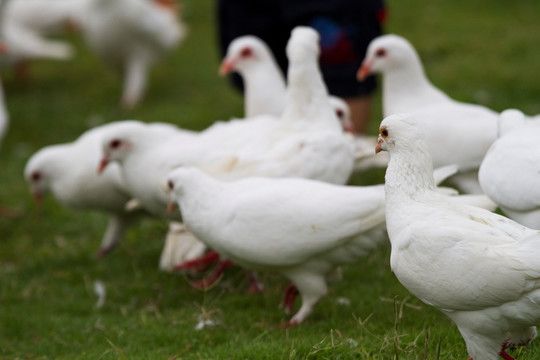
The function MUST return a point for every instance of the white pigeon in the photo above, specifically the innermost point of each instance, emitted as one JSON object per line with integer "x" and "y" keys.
{"x": 68, "y": 171}
{"x": 303, "y": 229}
{"x": 459, "y": 133}
{"x": 132, "y": 35}
{"x": 25, "y": 38}
{"x": 479, "y": 268}
{"x": 510, "y": 172}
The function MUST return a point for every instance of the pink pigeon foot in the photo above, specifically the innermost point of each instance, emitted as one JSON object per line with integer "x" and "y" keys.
{"x": 214, "y": 275}
{"x": 291, "y": 292}
{"x": 255, "y": 285}
{"x": 199, "y": 264}
{"x": 503, "y": 352}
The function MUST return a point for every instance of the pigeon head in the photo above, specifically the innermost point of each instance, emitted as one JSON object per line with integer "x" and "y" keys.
{"x": 179, "y": 177}
{"x": 343, "y": 113}
{"x": 244, "y": 52}
{"x": 509, "y": 120}
{"x": 114, "y": 149}
{"x": 303, "y": 45}
{"x": 40, "y": 170}
{"x": 119, "y": 139}
{"x": 384, "y": 53}
{"x": 398, "y": 132}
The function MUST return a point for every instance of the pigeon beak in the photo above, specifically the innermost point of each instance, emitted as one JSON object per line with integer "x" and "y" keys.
{"x": 364, "y": 71}
{"x": 226, "y": 67}
{"x": 103, "y": 164}
{"x": 378, "y": 147}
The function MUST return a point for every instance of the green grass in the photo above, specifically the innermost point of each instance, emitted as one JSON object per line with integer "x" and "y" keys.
{"x": 483, "y": 51}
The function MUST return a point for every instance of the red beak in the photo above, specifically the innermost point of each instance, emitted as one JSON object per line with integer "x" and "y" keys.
{"x": 378, "y": 147}
{"x": 364, "y": 71}
{"x": 226, "y": 67}
{"x": 103, "y": 164}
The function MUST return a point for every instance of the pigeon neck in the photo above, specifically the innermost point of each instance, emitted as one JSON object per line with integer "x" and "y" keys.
{"x": 307, "y": 96}
{"x": 409, "y": 173}
{"x": 265, "y": 86}
{"x": 199, "y": 193}
{"x": 406, "y": 87}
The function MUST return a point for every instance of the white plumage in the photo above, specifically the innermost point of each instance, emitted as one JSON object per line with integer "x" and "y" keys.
{"x": 479, "y": 268}
{"x": 131, "y": 35}
{"x": 510, "y": 172}
{"x": 459, "y": 133}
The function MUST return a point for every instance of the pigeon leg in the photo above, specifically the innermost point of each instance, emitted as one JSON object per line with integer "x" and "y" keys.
{"x": 214, "y": 275}
{"x": 199, "y": 264}
{"x": 503, "y": 352}
{"x": 255, "y": 285}
{"x": 291, "y": 292}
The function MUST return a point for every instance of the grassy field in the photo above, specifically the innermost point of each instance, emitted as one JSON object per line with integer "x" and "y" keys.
{"x": 483, "y": 51}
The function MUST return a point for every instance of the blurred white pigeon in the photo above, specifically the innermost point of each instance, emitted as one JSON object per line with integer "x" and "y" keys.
{"x": 459, "y": 133}
{"x": 68, "y": 171}
{"x": 46, "y": 17}
{"x": 479, "y": 268}
{"x": 265, "y": 93}
{"x": 510, "y": 172}
{"x": 132, "y": 35}
{"x": 24, "y": 34}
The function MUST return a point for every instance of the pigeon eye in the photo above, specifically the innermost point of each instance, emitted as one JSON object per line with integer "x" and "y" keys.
{"x": 170, "y": 184}
{"x": 36, "y": 176}
{"x": 115, "y": 144}
{"x": 246, "y": 52}
{"x": 384, "y": 132}
{"x": 380, "y": 53}
{"x": 340, "y": 113}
